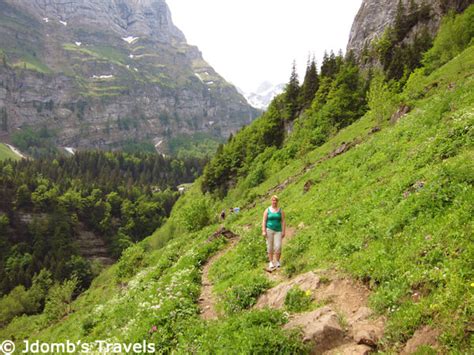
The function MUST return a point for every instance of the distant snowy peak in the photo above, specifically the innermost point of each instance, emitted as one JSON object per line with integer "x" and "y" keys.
{"x": 264, "y": 94}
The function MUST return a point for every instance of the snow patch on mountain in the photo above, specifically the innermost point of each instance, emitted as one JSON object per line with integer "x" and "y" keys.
{"x": 130, "y": 39}
{"x": 70, "y": 150}
{"x": 264, "y": 94}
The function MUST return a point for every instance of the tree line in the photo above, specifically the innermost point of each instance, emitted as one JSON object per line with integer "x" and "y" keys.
{"x": 45, "y": 204}
{"x": 306, "y": 114}
{"x": 322, "y": 104}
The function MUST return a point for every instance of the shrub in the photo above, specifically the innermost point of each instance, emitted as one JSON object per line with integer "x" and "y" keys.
{"x": 21, "y": 301}
{"x": 196, "y": 214}
{"x": 58, "y": 302}
{"x": 381, "y": 98}
{"x": 130, "y": 261}
{"x": 297, "y": 300}
{"x": 244, "y": 295}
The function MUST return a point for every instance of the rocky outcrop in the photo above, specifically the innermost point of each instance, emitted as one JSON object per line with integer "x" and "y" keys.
{"x": 375, "y": 16}
{"x": 343, "y": 324}
{"x": 101, "y": 72}
{"x": 92, "y": 247}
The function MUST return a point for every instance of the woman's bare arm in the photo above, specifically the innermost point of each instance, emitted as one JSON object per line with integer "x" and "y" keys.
{"x": 264, "y": 223}
{"x": 283, "y": 224}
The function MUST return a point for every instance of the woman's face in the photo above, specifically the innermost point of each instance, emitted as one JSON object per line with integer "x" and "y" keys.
{"x": 274, "y": 202}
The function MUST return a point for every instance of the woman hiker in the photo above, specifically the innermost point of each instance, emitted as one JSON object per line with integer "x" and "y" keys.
{"x": 273, "y": 228}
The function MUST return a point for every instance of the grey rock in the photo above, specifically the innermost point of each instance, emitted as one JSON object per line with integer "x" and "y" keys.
{"x": 374, "y": 16}
{"x": 101, "y": 72}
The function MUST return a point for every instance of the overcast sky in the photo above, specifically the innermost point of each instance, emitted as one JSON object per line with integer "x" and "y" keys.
{"x": 250, "y": 41}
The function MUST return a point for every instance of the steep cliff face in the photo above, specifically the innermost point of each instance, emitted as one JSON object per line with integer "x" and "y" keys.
{"x": 101, "y": 72}
{"x": 375, "y": 16}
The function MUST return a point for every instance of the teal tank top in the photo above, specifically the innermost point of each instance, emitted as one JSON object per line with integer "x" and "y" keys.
{"x": 274, "y": 220}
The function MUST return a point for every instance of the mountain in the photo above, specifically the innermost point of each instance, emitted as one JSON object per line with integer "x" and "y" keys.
{"x": 374, "y": 16}
{"x": 100, "y": 73}
{"x": 264, "y": 94}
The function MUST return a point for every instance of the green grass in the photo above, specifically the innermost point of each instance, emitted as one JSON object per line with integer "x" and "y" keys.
{"x": 395, "y": 212}
{"x": 31, "y": 62}
{"x": 109, "y": 54}
{"x": 6, "y": 153}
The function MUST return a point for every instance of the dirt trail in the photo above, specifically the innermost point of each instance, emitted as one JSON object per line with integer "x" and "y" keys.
{"x": 206, "y": 300}
{"x": 341, "y": 323}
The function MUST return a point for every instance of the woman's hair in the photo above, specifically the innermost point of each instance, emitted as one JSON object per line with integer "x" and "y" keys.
{"x": 275, "y": 197}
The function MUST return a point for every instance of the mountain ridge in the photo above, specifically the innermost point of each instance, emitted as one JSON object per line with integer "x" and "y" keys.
{"x": 99, "y": 73}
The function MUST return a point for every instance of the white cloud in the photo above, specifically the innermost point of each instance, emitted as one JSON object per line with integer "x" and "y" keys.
{"x": 250, "y": 41}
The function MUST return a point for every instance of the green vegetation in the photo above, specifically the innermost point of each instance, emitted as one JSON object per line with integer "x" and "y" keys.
{"x": 199, "y": 145}
{"x": 456, "y": 34}
{"x": 398, "y": 58}
{"x": 297, "y": 300}
{"x": 21, "y": 51}
{"x": 121, "y": 198}
{"x": 339, "y": 101}
{"x": 36, "y": 143}
{"x": 134, "y": 147}
{"x": 390, "y": 204}
{"x": 109, "y": 54}
{"x": 6, "y": 153}
{"x": 31, "y": 62}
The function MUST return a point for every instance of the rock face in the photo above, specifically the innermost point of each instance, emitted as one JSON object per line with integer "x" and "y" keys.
{"x": 101, "y": 72}
{"x": 375, "y": 16}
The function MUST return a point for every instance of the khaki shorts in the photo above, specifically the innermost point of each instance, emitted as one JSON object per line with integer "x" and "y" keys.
{"x": 273, "y": 241}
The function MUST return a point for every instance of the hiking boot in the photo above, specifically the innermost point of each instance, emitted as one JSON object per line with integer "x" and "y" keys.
{"x": 277, "y": 265}
{"x": 270, "y": 265}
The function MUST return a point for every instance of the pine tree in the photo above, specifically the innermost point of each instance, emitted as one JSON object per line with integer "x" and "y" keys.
{"x": 292, "y": 93}
{"x": 346, "y": 101}
{"x": 330, "y": 65}
{"x": 400, "y": 22}
{"x": 350, "y": 58}
{"x": 412, "y": 7}
{"x": 310, "y": 84}
{"x": 424, "y": 11}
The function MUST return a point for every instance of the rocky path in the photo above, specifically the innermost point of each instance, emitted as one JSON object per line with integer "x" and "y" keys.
{"x": 343, "y": 324}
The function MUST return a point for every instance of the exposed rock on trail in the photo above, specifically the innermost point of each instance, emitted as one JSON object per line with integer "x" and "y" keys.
{"x": 222, "y": 232}
{"x": 344, "y": 325}
{"x": 275, "y": 297}
{"x": 424, "y": 336}
{"x": 321, "y": 327}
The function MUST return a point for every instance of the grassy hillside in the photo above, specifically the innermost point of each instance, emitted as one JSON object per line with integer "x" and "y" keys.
{"x": 6, "y": 153}
{"x": 393, "y": 210}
